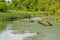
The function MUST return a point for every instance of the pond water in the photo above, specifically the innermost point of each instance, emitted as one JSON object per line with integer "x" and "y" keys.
{"x": 25, "y": 30}
{"x": 10, "y": 35}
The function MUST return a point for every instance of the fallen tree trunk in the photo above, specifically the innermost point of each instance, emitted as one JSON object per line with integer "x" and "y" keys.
{"x": 49, "y": 24}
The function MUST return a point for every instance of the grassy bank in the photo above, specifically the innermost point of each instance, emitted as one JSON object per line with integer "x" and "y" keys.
{"x": 6, "y": 17}
{"x": 10, "y": 16}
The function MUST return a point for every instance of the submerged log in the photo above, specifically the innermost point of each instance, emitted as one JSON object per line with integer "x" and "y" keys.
{"x": 39, "y": 20}
{"x": 42, "y": 23}
{"x": 49, "y": 24}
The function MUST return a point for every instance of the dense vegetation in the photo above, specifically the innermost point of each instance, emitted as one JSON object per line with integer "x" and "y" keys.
{"x": 50, "y": 7}
{"x": 12, "y": 10}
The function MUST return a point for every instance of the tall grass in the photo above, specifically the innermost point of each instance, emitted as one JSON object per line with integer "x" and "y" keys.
{"x": 11, "y": 16}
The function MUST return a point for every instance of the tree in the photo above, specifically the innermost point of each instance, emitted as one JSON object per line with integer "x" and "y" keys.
{"x": 3, "y": 6}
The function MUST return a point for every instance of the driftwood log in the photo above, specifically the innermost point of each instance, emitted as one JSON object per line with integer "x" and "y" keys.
{"x": 39, "y": 19}
{"x": 49, "y": 24}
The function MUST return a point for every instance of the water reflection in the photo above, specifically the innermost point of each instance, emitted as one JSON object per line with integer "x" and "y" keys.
{"x": 30, "y": 31}
{"x": 9, "y": 35}
{"x": 5, "y": 35}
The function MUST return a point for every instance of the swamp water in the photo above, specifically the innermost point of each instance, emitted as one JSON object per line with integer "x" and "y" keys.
{"x": 25, "y": 30}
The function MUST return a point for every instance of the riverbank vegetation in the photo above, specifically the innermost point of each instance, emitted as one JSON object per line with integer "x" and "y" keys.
{"x": 20, "y": 9}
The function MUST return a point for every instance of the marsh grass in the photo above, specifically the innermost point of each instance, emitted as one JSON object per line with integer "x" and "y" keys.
{"x": 11, "y": 16}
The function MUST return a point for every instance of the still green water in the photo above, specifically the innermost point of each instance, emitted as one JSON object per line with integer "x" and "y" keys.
{"x": 44, "y": 32}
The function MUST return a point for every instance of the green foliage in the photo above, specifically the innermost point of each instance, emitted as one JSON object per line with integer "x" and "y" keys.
{"x": 36, "y": 5}
{"x": 57, "y": 13}
{"x": 32, "y": 5}
{"x": 10, "y": 6}
{"x": 12, "y": 16}
{"x": 2, "y": 0}
{"x": 26, "y": 5}
{"x": 3, "y": 6}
